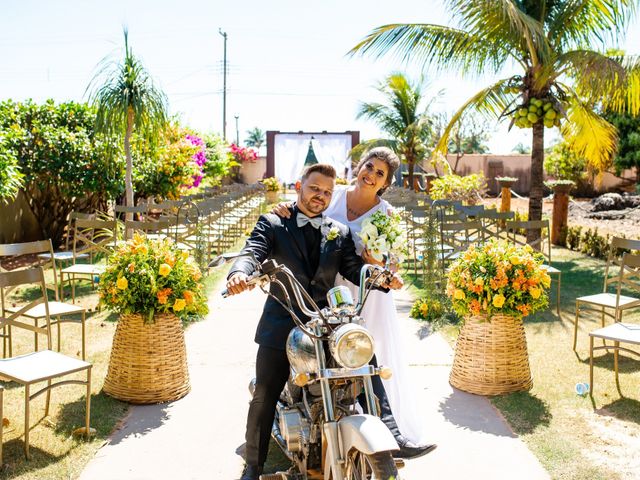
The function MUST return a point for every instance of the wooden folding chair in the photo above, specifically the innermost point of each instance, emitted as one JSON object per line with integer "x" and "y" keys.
{"x": 39, "y": 366}
{"x": 92, "y": 237}
{"x": 62, "y": 312}
{"x": 607, "y": 301}
{"x": 542, "y": 244}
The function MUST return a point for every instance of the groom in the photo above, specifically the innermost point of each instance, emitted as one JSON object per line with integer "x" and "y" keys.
{"x": 301, "y": 243}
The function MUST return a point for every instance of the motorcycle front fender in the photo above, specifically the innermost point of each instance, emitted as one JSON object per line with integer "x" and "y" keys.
{"x": 366, "y": 433}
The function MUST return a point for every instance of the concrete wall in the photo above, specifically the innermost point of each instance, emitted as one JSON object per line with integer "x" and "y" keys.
{"x": 17, "y": 223}
{"x": 519, "y": 166}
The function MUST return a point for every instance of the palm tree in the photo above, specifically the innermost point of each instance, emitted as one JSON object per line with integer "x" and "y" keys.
{"x": 126, "y": 98}
{"x": 547, "y": 41}
{"x": 255, "y": 138}
{"x": 403, "y": 118}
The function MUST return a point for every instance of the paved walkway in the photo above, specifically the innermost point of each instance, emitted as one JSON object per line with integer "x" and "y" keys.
{"x": 200, "y": 436}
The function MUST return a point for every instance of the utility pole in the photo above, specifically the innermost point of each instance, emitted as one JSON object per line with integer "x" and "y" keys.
{"x": 237, "y": 131}
{"x": 224, "y": 86}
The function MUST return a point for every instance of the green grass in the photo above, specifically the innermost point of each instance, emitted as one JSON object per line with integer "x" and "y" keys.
{"x": 576, "y": 437}
{"x": 56, "y": 454}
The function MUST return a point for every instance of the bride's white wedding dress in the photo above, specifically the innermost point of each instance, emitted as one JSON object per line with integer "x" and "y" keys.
{"x": 381, "y": 320}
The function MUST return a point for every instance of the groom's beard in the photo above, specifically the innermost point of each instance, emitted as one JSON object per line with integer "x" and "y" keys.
{"x": 313, "y": 203}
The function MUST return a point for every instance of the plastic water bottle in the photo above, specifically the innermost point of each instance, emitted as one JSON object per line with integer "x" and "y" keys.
{"x": 582, "y": 389}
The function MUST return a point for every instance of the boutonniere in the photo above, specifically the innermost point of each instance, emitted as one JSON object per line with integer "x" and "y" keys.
{"x": 333, "y": 233}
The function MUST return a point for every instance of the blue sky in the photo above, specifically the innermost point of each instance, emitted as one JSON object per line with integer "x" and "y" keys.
{"x": 287, "y": 65}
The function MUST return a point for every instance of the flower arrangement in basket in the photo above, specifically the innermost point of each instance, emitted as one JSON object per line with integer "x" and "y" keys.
{"x": 498, "y": 277}
{"x": 271, "y": 184}
{"x": 148, "y": 276}
{"x": 382, "y": 236}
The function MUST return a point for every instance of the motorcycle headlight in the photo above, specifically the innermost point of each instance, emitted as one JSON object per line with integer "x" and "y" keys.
{"x": 351, "y": 345}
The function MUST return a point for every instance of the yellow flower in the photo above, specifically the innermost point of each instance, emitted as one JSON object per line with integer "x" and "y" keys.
{"x": 458, "y": 294}
{"x": 498, "y": 301}
{"x": 164, "y": 270}
{"x": 184, "y": 254}
{"x": 535, "y": 292}
{"x": 122, "y": 283}
{"x": 515, "y": 260}
{"x": 179, "y": 305}
{"x": 424, "y": 309}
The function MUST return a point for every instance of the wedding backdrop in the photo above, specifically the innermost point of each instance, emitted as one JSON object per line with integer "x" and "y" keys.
{"x": 287, "y": 152}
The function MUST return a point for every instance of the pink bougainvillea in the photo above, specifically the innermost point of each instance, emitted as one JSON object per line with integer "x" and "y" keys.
{"x": 199, "y": 158}
{"x": 243, "y": 154}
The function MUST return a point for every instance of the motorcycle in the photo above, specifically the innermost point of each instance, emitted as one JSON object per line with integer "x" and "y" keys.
{"x": 317, "y": 422}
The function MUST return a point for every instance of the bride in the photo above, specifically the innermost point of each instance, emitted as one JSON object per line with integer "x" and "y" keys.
{"x": 351, "y": 206}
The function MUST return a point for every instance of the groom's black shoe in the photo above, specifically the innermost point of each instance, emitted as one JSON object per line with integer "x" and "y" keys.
{"x": 408, "y": 449}
{"x": 251, "y": 472}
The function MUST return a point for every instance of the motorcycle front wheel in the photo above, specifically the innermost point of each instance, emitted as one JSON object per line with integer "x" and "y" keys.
{"x": 378, "y": 466}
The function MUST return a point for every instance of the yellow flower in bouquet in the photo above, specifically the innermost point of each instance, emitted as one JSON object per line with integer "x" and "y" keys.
{"x": 498, "y": 277}
{"x": 150, "y": 276}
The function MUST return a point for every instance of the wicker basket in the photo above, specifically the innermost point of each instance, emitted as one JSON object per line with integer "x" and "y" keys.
{"x": 491, "y": 356}
{"x": 148, "y": 361}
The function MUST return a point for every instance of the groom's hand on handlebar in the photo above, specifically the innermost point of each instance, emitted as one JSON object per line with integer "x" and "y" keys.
{"x": 238, "y": 284}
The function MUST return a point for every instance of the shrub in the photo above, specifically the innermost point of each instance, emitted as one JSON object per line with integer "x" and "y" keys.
{"x": 429, "y": 309}
{"x": 219, "y": 160}
{"x": 11, "y": 178}
{"x": 66, "y": 166}
{"x": 170, "y": 168}
{"x": 467, "y": 189}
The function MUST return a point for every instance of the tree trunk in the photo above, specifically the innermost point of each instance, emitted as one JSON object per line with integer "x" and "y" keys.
{"x": 535, "y": 193}
{"x": 410, "y": 168}
{"x": 128, "y": 179}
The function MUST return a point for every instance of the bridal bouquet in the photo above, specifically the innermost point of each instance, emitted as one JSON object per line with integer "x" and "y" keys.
{"x": 382, "y": 236}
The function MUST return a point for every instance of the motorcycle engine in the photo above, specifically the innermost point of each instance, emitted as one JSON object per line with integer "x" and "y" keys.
{"x": 293, "y": 427}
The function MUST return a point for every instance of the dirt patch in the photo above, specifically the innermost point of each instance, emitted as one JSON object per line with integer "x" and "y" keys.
{"x": 613, "y": 222}
{"x": 618, "y": 444}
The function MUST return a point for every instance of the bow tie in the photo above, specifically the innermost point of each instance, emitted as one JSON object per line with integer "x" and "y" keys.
{"x": 302, "y": 220}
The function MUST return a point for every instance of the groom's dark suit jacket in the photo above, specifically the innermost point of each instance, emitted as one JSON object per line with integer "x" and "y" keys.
{"x": 282, "y": 240}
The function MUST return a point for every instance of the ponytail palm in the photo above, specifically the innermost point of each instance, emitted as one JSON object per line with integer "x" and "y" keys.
{"x": 547, "y": 41}
{"x": 403, "y": 117}
{"x": 126, "y": 99}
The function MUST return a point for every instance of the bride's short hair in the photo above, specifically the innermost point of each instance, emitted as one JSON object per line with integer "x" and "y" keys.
{"x": 385, "y": 154}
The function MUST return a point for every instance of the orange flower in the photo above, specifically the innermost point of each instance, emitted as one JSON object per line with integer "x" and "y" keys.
{"x": 474, "y": 306}
{"x": 188, "y": 296}
{"x": 163, "y": 295}
{"x": 170, "y": 260}
{"x": 132, "y": 267}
